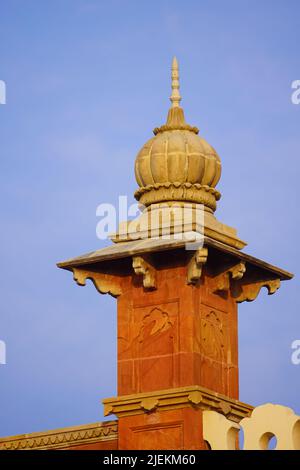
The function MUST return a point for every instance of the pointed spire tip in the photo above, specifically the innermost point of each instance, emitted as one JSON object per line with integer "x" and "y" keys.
{"x": 174, "y": 62}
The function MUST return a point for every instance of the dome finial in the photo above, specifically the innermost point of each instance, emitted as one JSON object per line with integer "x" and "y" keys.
{"x": 175, "y": 97}
{"x": 175, "y": 119}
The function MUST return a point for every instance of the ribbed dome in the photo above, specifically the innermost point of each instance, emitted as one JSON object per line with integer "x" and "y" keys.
{"x": 177, "y": 156}
{"x": 177, "y": 164}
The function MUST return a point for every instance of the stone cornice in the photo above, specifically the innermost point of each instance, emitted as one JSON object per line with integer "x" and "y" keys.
{"x": 193, "y": 396}
{"x": 62, "y": 438}
{"x": 140, "y": 247}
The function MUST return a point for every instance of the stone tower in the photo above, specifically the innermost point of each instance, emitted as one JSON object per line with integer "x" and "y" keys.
{"x": 178, "y": 275}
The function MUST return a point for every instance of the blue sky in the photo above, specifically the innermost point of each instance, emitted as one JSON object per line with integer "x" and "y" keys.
{"x": 87, "y": 81}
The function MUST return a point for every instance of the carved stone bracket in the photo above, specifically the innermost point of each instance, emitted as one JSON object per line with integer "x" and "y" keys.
{"x": 195, "y": 397}
{"x": 195, "y": 265}
{"x": 222, "y": 281}
{"x": 104, "y": 283}
{"x": 149, "y": 404}
{"x": 225, "y": 408}
{"x": 244, "y": 285}
{"x": 143, "y": 268}
{"x": 248, "y": 292}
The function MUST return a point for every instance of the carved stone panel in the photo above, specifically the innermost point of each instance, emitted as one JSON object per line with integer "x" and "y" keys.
{"x": 213, "y": 335}
{"x": 219, "y": 371}
{"x": 147, "y": 356}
